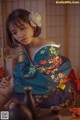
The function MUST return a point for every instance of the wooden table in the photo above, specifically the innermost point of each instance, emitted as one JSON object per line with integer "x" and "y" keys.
{"x": 46, "y": 114}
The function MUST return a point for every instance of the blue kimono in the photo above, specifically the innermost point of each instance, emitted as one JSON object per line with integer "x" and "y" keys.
{"x": 48, "y": 76}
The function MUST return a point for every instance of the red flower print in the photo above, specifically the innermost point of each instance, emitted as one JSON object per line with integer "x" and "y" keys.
{"x": 65, "y": 80}
{"x": 43, "y": 62}
{"x": 48, "y": 71}
{"x": 55, "y": 60}
{"x": 60, "y": 61}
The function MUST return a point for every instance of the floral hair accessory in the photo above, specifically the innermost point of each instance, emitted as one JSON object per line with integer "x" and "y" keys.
{"x": 35, "y": 19}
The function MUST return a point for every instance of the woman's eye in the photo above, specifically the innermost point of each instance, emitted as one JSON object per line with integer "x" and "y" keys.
{"x": 22, "y": 28}
{"x": 14, "y": 33}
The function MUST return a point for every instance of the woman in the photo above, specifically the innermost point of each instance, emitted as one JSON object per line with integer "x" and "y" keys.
{"x": 40, "y": 64}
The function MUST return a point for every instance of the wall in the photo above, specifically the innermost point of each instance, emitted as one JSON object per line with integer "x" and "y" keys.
{"x": 63, "y": 27}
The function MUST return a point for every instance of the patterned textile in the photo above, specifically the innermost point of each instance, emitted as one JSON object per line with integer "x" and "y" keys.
{"x": 49, "y": 77}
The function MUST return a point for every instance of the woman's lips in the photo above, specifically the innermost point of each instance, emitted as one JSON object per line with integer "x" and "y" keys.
{"x": 23, "y": 40}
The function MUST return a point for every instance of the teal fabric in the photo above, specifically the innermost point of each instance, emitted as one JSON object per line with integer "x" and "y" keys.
{"x": 45, "y": 75}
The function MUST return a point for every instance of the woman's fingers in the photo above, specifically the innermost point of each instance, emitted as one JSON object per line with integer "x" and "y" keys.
{"x": 5, "y": 82}
{"x": 5, "y": 79}
{"x": 8, "y": 78}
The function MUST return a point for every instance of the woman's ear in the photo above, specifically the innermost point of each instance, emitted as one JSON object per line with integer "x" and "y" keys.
{"x": 32, "y": 34}
{"x": 35, "y": 31}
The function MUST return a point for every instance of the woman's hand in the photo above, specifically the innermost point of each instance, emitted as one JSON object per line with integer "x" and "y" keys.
{"x": 5, "y": 82}
{"x": 6, "y": 89}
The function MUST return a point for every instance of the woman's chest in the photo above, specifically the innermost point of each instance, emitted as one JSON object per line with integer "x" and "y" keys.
{"x": 33, "y": 51}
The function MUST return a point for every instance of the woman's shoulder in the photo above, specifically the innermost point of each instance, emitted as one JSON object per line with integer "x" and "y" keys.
{"x": 47, "y": 45}
{"x": 48, "y": 41}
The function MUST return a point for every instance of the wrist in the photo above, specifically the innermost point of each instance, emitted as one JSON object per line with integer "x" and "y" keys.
{"x": 20, "y": 48}
{"x": 20, "y": 53}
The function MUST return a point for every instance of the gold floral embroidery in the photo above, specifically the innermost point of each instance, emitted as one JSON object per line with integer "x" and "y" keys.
{"x": 52, "y": 50}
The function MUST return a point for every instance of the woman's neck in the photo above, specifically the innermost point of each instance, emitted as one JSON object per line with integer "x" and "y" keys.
{"x": 35, "y": 42}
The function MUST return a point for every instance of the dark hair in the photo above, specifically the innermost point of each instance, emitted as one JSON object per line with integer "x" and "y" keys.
{"x": 15, "y": 17}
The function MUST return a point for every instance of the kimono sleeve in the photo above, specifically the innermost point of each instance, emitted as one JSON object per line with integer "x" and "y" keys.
{"x": 18, "y": 77}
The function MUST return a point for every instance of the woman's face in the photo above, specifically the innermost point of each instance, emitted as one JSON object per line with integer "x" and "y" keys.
{"x": 23, "y": 33}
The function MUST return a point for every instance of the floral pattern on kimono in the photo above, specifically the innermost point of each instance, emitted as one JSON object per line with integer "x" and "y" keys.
{"x": 48, "y": 77}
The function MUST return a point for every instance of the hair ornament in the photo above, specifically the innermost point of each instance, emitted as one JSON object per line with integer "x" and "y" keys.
{"x": 35, "y": 19}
